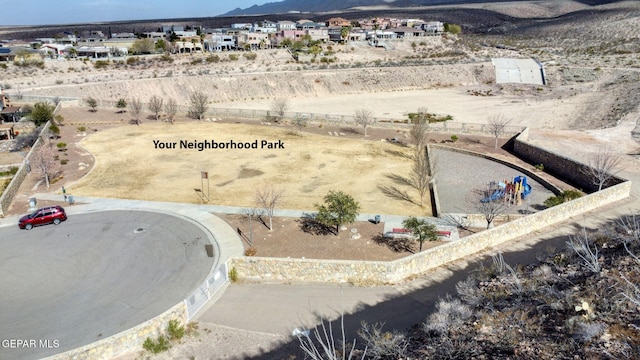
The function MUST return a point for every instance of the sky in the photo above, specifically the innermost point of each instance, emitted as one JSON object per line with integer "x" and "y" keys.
{"x": 50, "y": 12}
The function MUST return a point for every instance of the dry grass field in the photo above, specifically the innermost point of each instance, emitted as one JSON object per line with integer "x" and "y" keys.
{"x": 128, "y": 165}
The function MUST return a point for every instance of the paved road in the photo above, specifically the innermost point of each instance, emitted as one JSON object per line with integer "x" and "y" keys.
{"x": 93, "y": 276}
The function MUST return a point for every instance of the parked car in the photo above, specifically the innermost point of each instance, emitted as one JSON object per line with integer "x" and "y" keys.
{"x": 46, "y": 215}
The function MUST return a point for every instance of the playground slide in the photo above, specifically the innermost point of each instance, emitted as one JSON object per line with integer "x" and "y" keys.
{"x": 502, "y": 188}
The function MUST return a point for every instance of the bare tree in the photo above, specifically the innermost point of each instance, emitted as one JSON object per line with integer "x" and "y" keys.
{"x": 250, "y": 213}
{"x": 268, "y": 197}
{"x": 44, "y": 160}
{"x": 497, "y": 124}
{"x": 488, "y": 206}
{"x": 155, "y": 105}
{"x": 603, "y": 166}
{"x": 199, "y": 104}
{"x": 421, "y": 172}
{"x": 171, "y": 109}
{"x": 364, "y": 117}
{"x": 135, "y": 106}
{"x": 280, "y": 106}
{"x": 300, "y": 122}
{"x": 420, "y": 127}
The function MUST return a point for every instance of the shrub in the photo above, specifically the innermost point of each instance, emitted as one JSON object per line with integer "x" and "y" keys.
{"x": 82, "y": 129}
{"x": 158, "y": 346}
{"x": 100, "y": 64}
{"x": 454, "y": 138}
{"x": 213, "y": 58}
{"x": 252, "y": 251}
{"x": 132, "y": 60}
{"x": 175, "y": 330}
{"x": 539, "y": 167}
{"x": 250, "y": 55}
{"x": 166, "y": 57}
{"x": 233, "y": 57}
{"x": 63, "y": 161}
{"x": 233, "y": 274}
{"x": 383, "y": 344}
{"x": 565, "y": 196}
{"x": 61, "y": 145}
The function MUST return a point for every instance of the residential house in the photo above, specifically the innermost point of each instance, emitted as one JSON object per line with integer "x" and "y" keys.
{"x": 408, "y": 32}
{"x": 338, "y": 22}
{"x": 94, "y": 52}
{"x": 8, "y": 113}
{"x": 55, "y": 50}
{"x": 286, "y": 25}
{"x": 119, "y": 46}
{"x": 254, "y": 41}
{"x": 241, "y": 26}
{"x": 309, "y": 25}
{"x": 265, "y": 26}
{"x": 433, "y": 27}
{"x": 318, "y": 34}
{"x": 293, "y": 35}
{"x": 219, "y": 42}
{"x": 167, "y": 29}
{"x": 187, "y": 46}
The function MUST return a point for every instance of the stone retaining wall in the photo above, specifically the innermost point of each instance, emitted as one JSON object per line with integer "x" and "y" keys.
{"x": 562, "y": 167}
{"x": 129, "y": 340}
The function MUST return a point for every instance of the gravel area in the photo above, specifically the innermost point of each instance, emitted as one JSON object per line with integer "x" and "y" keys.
{"x": 458, "y": 175}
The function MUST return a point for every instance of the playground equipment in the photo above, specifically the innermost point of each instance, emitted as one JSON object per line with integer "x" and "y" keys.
{"x": 512, "y": 192}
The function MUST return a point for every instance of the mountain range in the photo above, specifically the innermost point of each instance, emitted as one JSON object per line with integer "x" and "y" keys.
{"x": 320, "y": 6}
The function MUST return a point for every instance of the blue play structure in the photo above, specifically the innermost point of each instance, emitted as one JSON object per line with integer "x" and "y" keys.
{"x": 518, "y": 189}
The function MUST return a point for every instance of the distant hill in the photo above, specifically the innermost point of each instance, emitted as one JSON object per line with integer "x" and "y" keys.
{"x": 320, "y": 6}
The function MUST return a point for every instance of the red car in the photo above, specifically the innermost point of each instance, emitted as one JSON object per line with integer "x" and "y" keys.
{"x": 46, "y": 215}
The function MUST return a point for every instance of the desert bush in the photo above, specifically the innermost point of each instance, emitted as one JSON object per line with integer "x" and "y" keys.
{"x": 166, "y": 58}
{"x": 565, "y": 196}
{"x": 233, "y": 274}
{"x": 175, "y": 331}
{"x": 449, "y": 313}
{"x": 82, "y": 129}
{"x": 252, "y": 251}
{"x": 250, "y": 55}
{"x": 64, "y": 161}
{"x": 101, "y": 64}
{"x": 157, "y": 346}
{"x": 213, "y": 58}
{"x": 132, "y": 60}
{"x": 589, "y": 255}
{"x": 233, "y": 57}
{"x": 454, "y": 138}
{"x": 539, "y": 167}
{"x": 61, "y": 145}
{"x": 383, "y": 344}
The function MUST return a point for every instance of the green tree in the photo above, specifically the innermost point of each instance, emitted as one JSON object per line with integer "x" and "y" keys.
{"x": 452, "y": 28}
{"x": 421, "y": 229}
{"x": 42, "y": 112}
{"x": 121, "y": 105}
{"x": 93, "y": 104}
{"x": 143, "y": 46}
{"x": 161, "y": 45}
{"x": 344, "y": 33}
{"x": 338, "y": 208}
